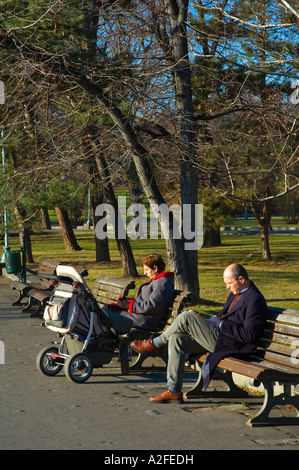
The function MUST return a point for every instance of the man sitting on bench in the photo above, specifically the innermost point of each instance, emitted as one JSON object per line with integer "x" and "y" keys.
{"x": 234, "y": 331}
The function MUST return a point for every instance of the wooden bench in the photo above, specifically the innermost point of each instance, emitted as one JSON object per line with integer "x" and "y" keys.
{"x": 47, "y": 267}
{"x": 276, "y": 360}
{"x": 179, "y": 300}
{"x": 39, "y": 297}
{"x": 107, "y": 289}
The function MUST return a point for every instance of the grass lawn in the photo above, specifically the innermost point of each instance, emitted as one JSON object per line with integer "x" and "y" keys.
{"x": 276, "y": 222}
{"x": 277, "y": 279}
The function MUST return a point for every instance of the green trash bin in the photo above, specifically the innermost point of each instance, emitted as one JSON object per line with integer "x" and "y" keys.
{"x": 13, "y": 263}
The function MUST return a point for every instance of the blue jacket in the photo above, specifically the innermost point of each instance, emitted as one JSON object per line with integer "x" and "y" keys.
{"x": 242, "y": 326}
{"x": 240, "y": 330}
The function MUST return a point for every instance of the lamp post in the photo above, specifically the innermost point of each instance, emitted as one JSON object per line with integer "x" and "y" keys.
{"x": 89, "y": 221}
{"x": 5, "y": 216}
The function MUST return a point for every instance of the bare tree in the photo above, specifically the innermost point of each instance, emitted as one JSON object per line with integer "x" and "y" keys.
{"x": 140, "y": 75}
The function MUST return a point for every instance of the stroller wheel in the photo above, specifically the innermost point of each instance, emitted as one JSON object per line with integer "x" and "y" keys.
{"x": 78, "y": 368}
{"x": 46, "y": 363}
{"x": 124, "y": 358}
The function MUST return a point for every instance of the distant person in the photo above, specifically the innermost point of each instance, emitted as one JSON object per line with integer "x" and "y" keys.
{"x": 235, "y": 330}
{"x": 153, "y": 298}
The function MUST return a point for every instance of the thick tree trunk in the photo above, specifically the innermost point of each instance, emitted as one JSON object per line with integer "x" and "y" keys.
{"x": 68, "y": 235}
{"x": 183, "y": 90}
{"x": 102, "y": 245}
{"x": 212, "y": 237}
{"x": 264, "y": 228}
{"x": 266, "y": 253}
{"x": 123, "y": 244}
{"x": 24, "y": 232}
{"x": 45, "y": 218}
{"x": 25, "y": 240}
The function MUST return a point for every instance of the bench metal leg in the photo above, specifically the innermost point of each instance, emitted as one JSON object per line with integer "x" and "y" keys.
{"x": 232, "y": 390}
{"x": 137, "y": 365}
{"x": 38, "y": 312}
{"x": 262, "y": 418}
{"x": 31, "y": 303}
{"x": 18, "y": 302}
{"x": 34, "y": 307}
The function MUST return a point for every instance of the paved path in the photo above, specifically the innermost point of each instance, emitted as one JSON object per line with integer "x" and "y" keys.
{"x": 111, "y": 412}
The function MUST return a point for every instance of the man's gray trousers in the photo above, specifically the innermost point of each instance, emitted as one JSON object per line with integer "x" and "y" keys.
{"x": 188, "y": 334}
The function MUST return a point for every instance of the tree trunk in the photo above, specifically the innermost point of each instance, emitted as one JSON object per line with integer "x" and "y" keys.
{"x": 25, "y": 241}
{"x": 184, "y": 103}
{"x": 45, "y": 218}
{"x": 102, "y": 246}
{"x": 266, "y": 253}
{"x": 68, "y": 235}
{"x": 264, "y": 227}
{"x": 212, "y": 237}
{"x": 123, "y": 244}
{"x": 24, "y": 231}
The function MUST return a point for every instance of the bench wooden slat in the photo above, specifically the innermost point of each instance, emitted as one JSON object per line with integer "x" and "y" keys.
{"x": 280, "y": 348}
{"x": 288, "y": 317}
{"x": 106, "y": 289}
{"x": 254, "y": 368}
{"x": 113, "y": 292}
{"x": 282, "y": 336}
{"x": 106, "y": 299}
{"x": 280, "y": 359}
{"x": 280, "y": 370}
{"x": 39, "y": 295}
{"x": 291, "y": 330}
{"x": 112, "y": 281}
{"x": 240, "y": 366}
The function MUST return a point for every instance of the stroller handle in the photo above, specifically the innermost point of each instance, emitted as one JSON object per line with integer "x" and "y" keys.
{"x": 63, "y": 277}
{"x": 54, "y": 277}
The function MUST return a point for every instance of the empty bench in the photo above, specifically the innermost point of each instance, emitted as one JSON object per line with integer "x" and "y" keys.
{"x": 275, "y": 361}
{"x": 39, "y": 297}
{"x": 47, "y": 267}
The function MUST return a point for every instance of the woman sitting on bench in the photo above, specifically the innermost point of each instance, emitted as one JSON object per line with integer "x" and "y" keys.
{"x": 153, "y": 297}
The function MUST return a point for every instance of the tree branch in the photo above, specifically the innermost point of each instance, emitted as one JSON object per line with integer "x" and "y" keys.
{"x": 290, "y": 8}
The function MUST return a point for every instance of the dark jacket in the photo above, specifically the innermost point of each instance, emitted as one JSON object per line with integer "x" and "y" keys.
{"x": 240, "y": 330}
{"x": 152, "y": 301}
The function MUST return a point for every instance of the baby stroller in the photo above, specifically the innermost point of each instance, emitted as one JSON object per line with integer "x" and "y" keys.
{"x": 90, "y": 335}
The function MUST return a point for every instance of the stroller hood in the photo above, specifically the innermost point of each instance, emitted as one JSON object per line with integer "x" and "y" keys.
{"x": 70, "y": 271}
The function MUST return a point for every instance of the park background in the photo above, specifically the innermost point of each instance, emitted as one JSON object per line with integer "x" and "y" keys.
{"x": 169, "y": 101}
{"x": 240, "y": 242}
